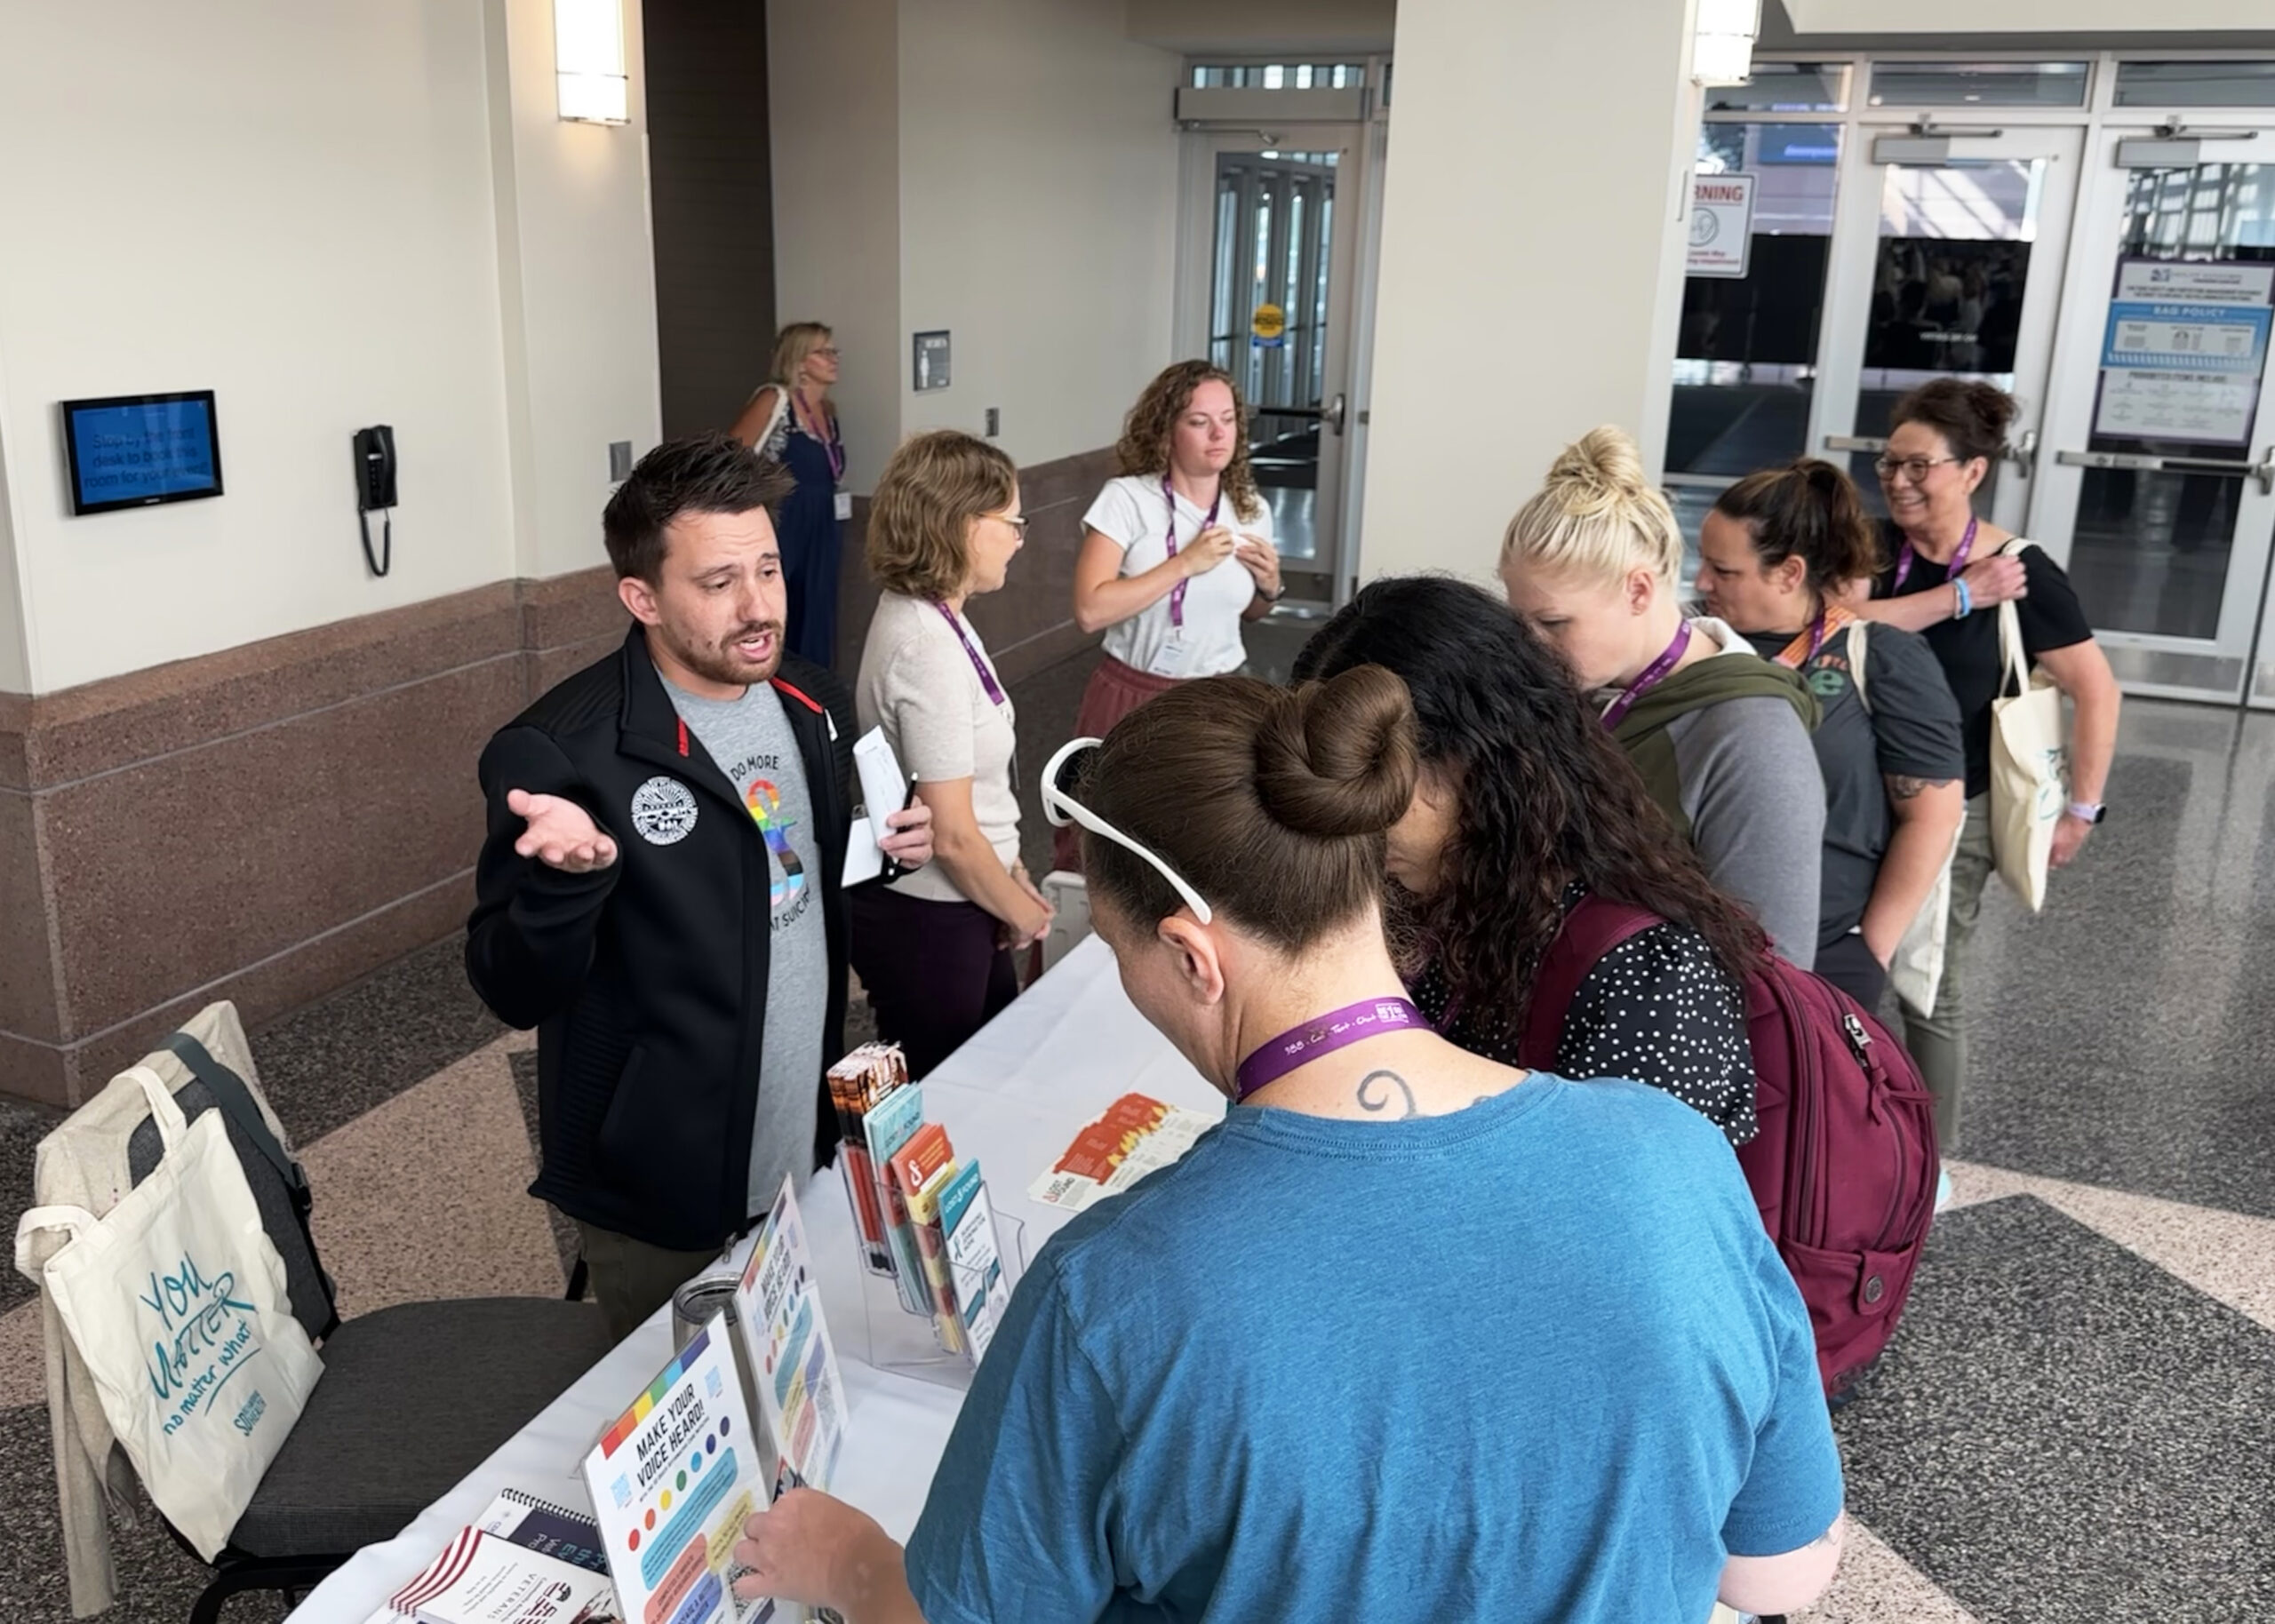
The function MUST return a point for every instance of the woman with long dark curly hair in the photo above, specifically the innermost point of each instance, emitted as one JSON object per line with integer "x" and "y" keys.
{"x": 1525, "y": 804}
{"x": 1177, "y": 552}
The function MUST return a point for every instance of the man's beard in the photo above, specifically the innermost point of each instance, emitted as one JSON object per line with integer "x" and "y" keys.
{"x": 720, "y": 662}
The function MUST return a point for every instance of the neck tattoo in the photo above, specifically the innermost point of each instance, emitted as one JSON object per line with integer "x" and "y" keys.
{"x": 1379, "y": 1102}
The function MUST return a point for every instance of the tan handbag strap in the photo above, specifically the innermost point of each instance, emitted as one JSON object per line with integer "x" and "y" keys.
{"x": 2014, "y": 657}
{"x": 1856, "y": 661}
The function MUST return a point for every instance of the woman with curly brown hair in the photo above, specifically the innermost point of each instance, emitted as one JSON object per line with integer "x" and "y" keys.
{"x": 1177, "y": 551}
{"x": 1524, "y": 806}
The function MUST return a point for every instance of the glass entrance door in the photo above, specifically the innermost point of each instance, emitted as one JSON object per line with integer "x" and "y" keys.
{"x": 1281, "y": 263}
{"x": 1956, "y": 273}
{"x": 2160, "y": 497}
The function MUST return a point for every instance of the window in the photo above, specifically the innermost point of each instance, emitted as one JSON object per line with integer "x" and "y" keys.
{"x": 2196, "y": 84}
{"x": 1785, "y": 87}
{"x": 1987, "y": 84}
{"x": 1280, "y": 76}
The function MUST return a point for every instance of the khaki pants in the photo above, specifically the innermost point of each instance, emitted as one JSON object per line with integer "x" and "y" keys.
{"x": 632, "y": 1279}
{"x": 1938, "y": 1042}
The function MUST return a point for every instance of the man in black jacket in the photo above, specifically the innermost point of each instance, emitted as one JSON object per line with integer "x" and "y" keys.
{"x": 659, "y": 891}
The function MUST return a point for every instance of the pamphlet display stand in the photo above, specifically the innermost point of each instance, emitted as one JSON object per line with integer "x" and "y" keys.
{"x": 895, "y": 1338}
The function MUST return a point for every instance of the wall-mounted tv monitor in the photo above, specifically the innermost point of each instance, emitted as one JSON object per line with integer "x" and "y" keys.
{"x": 136, "y": 450}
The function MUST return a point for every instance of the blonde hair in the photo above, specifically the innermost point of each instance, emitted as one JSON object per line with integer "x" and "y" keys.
{"x": 919, "y": 518}
{"x": 791, "y": 346}
{"x": 1596, "y": 515}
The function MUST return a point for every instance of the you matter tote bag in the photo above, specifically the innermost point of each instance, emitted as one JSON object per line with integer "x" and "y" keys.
{"x": 175, "y": 1300}
{"x": 2029, "y": 766}
{"x": 1917, "y": 970}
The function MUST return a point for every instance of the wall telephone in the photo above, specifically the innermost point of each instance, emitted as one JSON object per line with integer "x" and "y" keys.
{"x": 375, "y": 488}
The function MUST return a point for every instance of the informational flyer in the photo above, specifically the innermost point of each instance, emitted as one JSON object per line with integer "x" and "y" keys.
{"x": 2184, "y": 350}
{"x": 793, "y": 1362}
{"x": 975, "y": 1260}
{"x": 673, "y": 1480}
{"x": 1136, "y": 1136}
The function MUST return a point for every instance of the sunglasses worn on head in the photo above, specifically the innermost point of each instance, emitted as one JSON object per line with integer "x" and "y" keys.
{"x": 1062, "y": 809}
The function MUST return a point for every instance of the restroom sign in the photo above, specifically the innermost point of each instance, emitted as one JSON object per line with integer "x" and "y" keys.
{"x": 1721, "y": 224}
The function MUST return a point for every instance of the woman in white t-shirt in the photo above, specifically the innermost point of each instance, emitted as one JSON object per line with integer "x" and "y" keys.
{"x": 1177, "y": 552}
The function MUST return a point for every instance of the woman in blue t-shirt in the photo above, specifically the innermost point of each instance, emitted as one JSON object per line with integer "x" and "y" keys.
{"x": 1409, "y": 1334}
{"x": 1777, "y": 553}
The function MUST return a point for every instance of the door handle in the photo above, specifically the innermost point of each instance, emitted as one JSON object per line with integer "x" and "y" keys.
{"x": 1334, "y": 411}
{"x": 2262, "y": 472}
{"x": 1855, "y": 443}
{"x": 2024, "y": 453}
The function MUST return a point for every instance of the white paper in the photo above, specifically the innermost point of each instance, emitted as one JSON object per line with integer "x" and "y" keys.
{"x": 1136, "y": 1136}
{"x": 842, "y": 507}
{"x": 884, "y": 787}
{"x": 864, "y": 859}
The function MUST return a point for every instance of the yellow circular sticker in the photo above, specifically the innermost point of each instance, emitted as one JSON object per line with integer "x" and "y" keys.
{"x": 1270, "y": 322}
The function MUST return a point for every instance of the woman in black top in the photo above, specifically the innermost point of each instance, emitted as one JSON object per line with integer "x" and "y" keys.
{"x": 1944, "y": 575}
{"x": 1777, "y": 553}
{"x": 1525, "y": 804}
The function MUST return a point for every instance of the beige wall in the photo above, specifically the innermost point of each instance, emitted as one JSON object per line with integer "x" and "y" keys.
{"x": 300, "y": 207}
{"x": 15, "y": 669}
{"x": 577, "y": 279}
{"x": 1528, "y": 288}
{"x": 833, "y": 78}
{"x": 1038, "y": 216}
{"x": 1004, "y": 168}
{"x": 1265, "y": 25}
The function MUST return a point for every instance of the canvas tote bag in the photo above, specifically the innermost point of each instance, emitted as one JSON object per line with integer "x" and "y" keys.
{"x": 2029, "y": 763}
{"x": 175, "y": 1300}
{"x": 1917, "y": 970}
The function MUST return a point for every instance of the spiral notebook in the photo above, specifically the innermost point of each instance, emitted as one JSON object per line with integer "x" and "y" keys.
{"x": 559, "y": 1531}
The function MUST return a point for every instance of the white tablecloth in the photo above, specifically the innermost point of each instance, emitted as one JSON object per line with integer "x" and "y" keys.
{"x": 1014, "y": 1096}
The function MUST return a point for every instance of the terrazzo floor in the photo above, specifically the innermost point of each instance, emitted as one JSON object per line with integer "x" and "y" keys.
{"x": 2075, "y": 1426}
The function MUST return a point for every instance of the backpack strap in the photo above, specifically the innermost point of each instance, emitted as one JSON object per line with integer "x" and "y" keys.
{"x": 1857, "y": 655}
{"x": 1593, "y": 926}
{"x": 230, "y": 1092}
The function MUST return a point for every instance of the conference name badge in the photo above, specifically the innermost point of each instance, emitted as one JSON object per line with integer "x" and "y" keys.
{"x": 663, "y": 810}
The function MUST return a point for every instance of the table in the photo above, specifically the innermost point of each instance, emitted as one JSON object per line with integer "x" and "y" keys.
{"x": 1013, "y": 1096}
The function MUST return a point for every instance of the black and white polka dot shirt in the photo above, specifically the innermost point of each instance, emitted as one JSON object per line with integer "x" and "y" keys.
{"x": 1657, "y": 1007}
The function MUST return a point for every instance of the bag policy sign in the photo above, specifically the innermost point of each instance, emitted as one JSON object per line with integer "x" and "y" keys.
{"x": 1721, "y": 224}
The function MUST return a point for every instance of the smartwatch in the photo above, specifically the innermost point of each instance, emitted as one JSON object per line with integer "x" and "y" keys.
{"x": 2089, "y": 811}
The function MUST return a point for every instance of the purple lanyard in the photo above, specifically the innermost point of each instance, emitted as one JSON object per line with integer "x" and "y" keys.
{"x": 1616, "y": 711}
{"x": 1951, "y": 571}
{"x": 986, "y": 677}
{"x": 832, "y": 445}
{"x": 1169, "y": 497}
{"x": 1337, "y": 1029}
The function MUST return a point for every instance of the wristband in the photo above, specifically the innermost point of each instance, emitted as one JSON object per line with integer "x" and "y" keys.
{"x": 1964, "y": 602}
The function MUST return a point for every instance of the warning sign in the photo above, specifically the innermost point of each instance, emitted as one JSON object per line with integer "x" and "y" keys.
{"x": 1268, "y": 327}
{"x": 1721, "y": 224}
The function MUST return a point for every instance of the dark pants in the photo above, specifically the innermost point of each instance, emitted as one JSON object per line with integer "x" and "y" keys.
{"x": 1849, "y": 965}
{"x": 933, "y": 971}
{"x": 632, "y": 1279}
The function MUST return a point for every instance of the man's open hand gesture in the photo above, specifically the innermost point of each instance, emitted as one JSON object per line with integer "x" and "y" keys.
{"x": 561, "y": 834}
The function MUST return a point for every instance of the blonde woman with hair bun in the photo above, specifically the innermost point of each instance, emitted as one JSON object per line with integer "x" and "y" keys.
{"x": 1720, "y": 736}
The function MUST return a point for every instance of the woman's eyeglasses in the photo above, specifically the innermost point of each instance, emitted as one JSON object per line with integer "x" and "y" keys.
{"x": 1061, "y": 809}
{"x": 1912, "y": 468}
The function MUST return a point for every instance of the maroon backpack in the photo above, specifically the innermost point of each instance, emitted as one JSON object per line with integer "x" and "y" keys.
{"x": 1844, "y": 1167}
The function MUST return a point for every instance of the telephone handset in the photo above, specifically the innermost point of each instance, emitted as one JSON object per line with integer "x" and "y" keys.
{"x": 375, "y": 488}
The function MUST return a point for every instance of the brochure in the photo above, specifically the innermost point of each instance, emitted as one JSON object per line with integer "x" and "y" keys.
{"x": 793, "y": 1362}
{"x": 484, "y": 1579}
{"x": 1136, "y": 1136}
{"x": 858, "y": 1084}
{"x": 890, "y": 1124}
{"x": 975, "y": 1260}
{"x": 673, "y": 1480}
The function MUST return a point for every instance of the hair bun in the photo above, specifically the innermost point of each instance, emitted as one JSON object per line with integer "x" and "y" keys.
{"x": 1599, "y": 471}
{"x": 1337, "y": 759}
